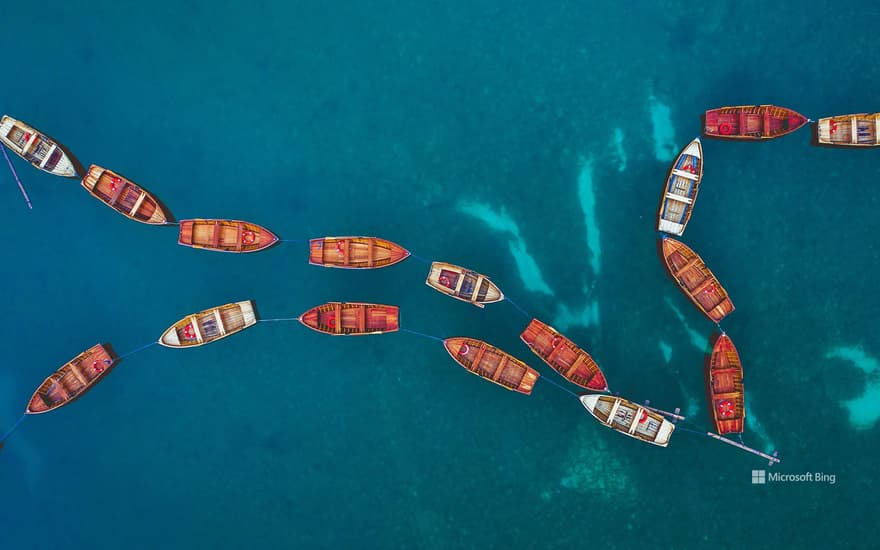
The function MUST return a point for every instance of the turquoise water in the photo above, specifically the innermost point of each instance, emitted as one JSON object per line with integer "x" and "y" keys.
{"x": 525, "y": 142}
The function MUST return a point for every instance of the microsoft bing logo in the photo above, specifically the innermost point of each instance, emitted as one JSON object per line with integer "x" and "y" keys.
{"x": 759, "y": 477}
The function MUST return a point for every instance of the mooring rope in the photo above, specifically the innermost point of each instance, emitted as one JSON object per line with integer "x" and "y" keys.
{"x": 521, "y": 310}
{"x": 419, "y": 258}
{"x": 279, "y": 319}
{"x": 142, "y": 348}
{"x": 417, "y": 333}
{"x": 12, "y": 429}
{"x": 561, "y": 387}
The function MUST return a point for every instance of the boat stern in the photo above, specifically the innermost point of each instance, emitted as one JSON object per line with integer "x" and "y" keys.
{"x": 664, "y": 433}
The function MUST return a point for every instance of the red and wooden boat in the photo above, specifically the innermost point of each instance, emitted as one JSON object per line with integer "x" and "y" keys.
{"x": 352, "y": 318}
{"x": 355, "y": 252}
{"x": 566, "y": 358}
{"x": 72, "y": 380}
{"x": 861, "y": 130}
{"x": 489, "y": 362}
{"x": 695, "y": 279}
{"x": 124, "y": 196}
{"x": 752, "y": 122}
{"x": 724, "y": 386}
{"x": 225, "y": 235}
{"x": 680, "y": 190}
{"x": 463, "y": 284}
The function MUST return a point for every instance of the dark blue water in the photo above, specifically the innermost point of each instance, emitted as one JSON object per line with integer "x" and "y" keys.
{"x": 482, "y": 135}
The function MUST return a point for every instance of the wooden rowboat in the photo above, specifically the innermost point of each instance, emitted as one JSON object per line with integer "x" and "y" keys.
{"x": 724, "y": 386}
{"x": 566, "y": 358}
{"x": 489, "y": 362}
{"x": 629, "y": 419}
{"x": 124, "y": 196}
{"x": 463, "y": 284}
{"x": 225, "y": 235}
{"x": 36, "y": 148}
{"x": 352, "y": 318}
{"x": 680, "y": 191}
{"x": 862, "y": 130}
{"x": 695, "y": 279}
{"x": 752, "y": 122}
{"x": 72, "y": 380}
{"x": 355, "y": 252}
{"x": 210, "y": 325}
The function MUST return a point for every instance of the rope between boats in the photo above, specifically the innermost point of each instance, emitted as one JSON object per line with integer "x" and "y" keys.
{"x": 279, "y": 319}
{"x": 142, "y": 348}
{"x": 561, "y": 387}
{"x": 521, "y": 310}
{"x": 419, "y": 258}
{"x": 417, "y": 333}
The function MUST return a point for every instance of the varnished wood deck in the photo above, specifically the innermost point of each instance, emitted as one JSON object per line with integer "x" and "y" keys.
{"x": 355, "y": 252}
{"x": 72, "y": 380}
{"x": 566, "y": 358}
{"x": 695, "y": 279}
{"x": 724, "y": 385}
{"x": 492, "y": 364}
{"x": 752, "y": 122}
{"x": 124, "y": 196}
{"x": 352, "y": 318}
{"x": 225, "y": 235}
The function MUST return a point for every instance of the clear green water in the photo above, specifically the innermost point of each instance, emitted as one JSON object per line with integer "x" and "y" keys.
{"x": 462, "y": 133}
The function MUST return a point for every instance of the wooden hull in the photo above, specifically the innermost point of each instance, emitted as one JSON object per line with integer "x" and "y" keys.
{"x": 124, "y": 196}
{"x": 35, "y": 147}
{"x": 489, "y": 362}
{"x": 352, "y": 318}
{"x": 210, "y": 325}
{"x": 861, "y": 130}
{"x": 695, "y": 279}
{"x": 72, "y": 380}
{"x": 680, "y": 192}
{"x": 724, "y": 386}
{"x": 355, "y": 252}
{"x": 463, "y": 284}
{"x": 629, "y": 419}
{"x": 566, "y": 358}
{"x": 225, "y": 235}
{"x": 752, "y": 122}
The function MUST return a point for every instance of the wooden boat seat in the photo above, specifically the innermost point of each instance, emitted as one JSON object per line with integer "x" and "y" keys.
{"x": 215, "y": 238}
{"x": 119, "y": 189}
{"x": 684, "y": 174}
{"x": 679, "y": 198}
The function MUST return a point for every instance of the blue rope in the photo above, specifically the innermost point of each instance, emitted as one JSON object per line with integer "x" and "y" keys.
{"x": 417, "y": 333}
{"x": 293, "y": 240}
{"x": 521, "y": 310}
{"x": 142, "y": 348}
{"x": 279, "y": 319}
{"x": 563, "y": 388}
{"x": 13, "y": 428}
{"x": 678, "y": 426}
{"x": 419, "y": 258}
